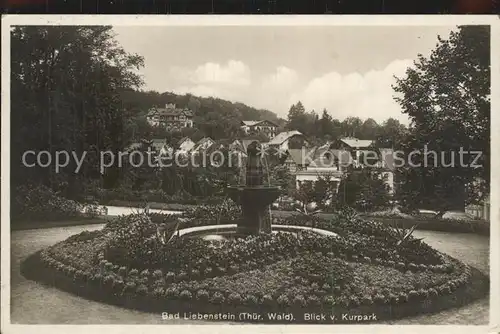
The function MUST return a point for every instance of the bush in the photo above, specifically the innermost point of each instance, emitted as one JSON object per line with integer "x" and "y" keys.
{"x": 225, "y": 213}
{"x": 38, "y": 202}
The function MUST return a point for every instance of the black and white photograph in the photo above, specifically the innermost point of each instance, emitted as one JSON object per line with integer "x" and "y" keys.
{"x": 250, "y": 171}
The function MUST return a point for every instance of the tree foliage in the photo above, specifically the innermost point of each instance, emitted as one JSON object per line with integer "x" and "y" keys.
{"x": 319, "y": 191}
{"x": 213, "y": 117}
{"x": 65, "y": 84}
{"x": 447, "y": 97}
{"x": 364, "y": 190}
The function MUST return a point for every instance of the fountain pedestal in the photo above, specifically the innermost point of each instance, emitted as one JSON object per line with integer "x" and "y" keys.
{"x": 254, "y": 197}
{"x": 254, "y": 202}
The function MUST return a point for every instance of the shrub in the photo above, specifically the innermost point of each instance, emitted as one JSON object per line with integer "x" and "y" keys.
{"x": 234, "y": 298}
{"x": 171, "y": 293}
{"x": 186, "y": 295}
{"x": 38, "y": 202}
{"x": 283, "y": 301}
{"x": 158, "y": 292}
{"x": 367, "y": 300}
{"x": 129, "y": 288}
{"x": 108, "y": 282}
{"x": 118, "y": 286}
{"x": 268, "y": 300}
{"x": 217, "y": 298}
{"x": 329, "y": 301}
{"x": 354, "y": 301}
{"x": 413, "y": 295}
{"x": 393, "y": 298}
{"x": 433, "y": 293}
{"x": 251, "y": 300}
{"x": 313, "y": 301}
{"x": 142, "y": 290}
{"x": 202, "y": 295}
{"x": 378, "y": 299}
{"x": 299, "y": 301}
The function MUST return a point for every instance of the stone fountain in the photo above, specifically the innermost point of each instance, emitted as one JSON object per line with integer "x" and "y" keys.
{"x": 253, "y": 195}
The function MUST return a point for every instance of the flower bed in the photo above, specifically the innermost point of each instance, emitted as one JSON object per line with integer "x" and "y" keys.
{"x": 40, "y": 203}
{"x": 363, "y": 271}
{"x": 111, "y": 196}
{"x": 444, "y": 225}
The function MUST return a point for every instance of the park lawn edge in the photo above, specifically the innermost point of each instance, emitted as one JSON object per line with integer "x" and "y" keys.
{"x": 424, "y": 225}
{"x": 75, "y": 221}
{"x": 34, "y": 269}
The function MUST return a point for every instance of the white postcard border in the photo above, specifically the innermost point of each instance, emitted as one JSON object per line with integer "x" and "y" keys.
{"x": 265, "y": 20}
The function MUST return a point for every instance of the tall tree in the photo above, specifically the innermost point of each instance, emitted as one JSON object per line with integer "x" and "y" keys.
{"x": 364, "y": 189}
{"x": 325, "y": 124}
{"x": 391, "y": 134}
{"x": 369, "y": 129}
{"x": 66, "y": 80}
{"x": 351, "y": 126}
{"x": 447, "y": 97}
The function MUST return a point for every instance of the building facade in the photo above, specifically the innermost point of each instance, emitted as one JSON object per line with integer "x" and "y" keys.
{"x": 254, "y": 127}
{"x": 283, "y": 140}
{"x": 170, "y": 117}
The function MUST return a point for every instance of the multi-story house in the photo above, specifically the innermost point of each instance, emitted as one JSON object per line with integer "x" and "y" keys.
{"x": 336, "y": 159}
{"x": 357, "y": 147}
{"x": 170, "y": 117}
{"x": 254, "y": 127}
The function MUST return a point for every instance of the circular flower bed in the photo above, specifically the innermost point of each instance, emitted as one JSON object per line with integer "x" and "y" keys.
{"x": 364, "y": 274}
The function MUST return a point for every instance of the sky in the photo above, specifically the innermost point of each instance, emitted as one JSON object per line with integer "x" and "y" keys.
{"x": 347, "y": 70}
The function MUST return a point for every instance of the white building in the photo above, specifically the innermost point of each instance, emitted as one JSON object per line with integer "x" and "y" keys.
{"x": 282, "y": 140}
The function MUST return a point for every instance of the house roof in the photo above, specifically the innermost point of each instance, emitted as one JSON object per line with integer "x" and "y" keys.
{"x": 326, "y": 157}
{"x": 201, "y": 142}
{"x": 183, "y": 140}
{"x": 133, "y": 146}
{"x": 253, "y": 123}
{"x": 236, "y": 144}
{"x": 356, "y": 143}
{"x": 283, "y": 136}
{"x": 250, "y": 123}
{"x": 204, "y": 139}
{"x": 157, "y": 144}
{"x": 221, "y": 143}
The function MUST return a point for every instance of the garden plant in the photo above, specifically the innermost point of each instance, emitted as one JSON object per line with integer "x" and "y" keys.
{"x": 364, "y": 269}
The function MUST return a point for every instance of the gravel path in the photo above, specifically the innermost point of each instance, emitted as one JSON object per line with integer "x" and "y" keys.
{"x": 34, "y": 303}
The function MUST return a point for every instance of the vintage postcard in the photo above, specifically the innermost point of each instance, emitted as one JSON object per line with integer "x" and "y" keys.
{"x": 250, "y": 173}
